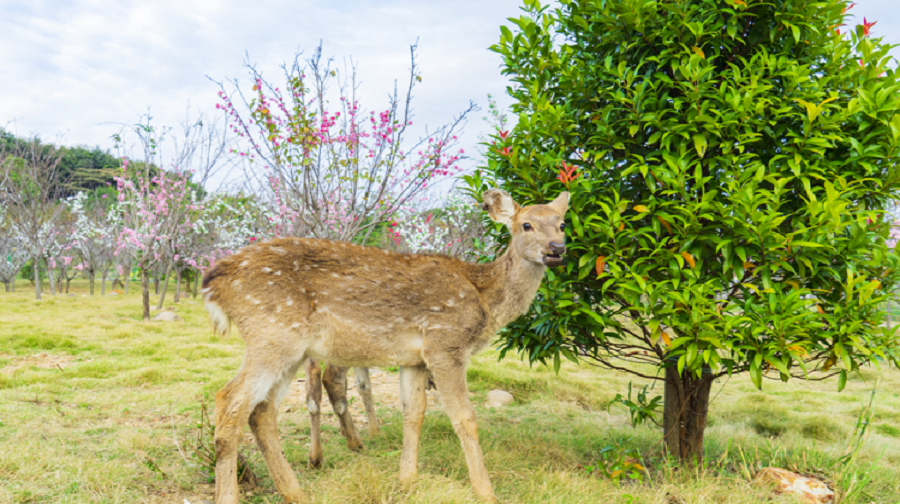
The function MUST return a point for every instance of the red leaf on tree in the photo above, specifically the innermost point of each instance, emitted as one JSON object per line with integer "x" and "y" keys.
{"x": 867, "y": 27}
{"x": 567, "y": 173}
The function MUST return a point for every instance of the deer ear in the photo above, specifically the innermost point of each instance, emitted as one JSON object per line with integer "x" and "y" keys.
{"x": 561, "y": 203}
{"x": 499, "y": 205}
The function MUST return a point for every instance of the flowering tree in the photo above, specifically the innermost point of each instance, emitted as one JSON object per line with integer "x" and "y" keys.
{"x": 454, "y": 228}
{"x": 155, "y": 204}
{"x": 153, "y": 214}
{"x": 30, "y": 188}
{"x": 94, "y": 237}
{"x": 335, "y": 172}
{"x": 12, "y": 253}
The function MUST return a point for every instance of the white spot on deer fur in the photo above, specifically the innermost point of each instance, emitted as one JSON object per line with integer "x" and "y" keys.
{"x": 267, "y": 270}
{"x": 204, "y": 291}
{"x": 312, "y": 406}
{"x": 290, "y": 301}
{"x": 271, "y": 320}
{"x": 450, "y": 302}
{"x": 295, "y": 325}
{"x": 306, "y": 267}
{"x": 235, "y": 283}
{"x": 335, "y": 275}
{"x": 435, "y": 308}
{"x": 278, "y": 273}
{"x": 341, "y": 408}
{"x": 243, "y": 263}
{"x": 270, "y": 283}
{"x": 462, "y": 295}
{"x": 296, "y": 242}
{"x": 296, "y": 266}
{"x": 278, "y": 250}
{"x": 278, "y": 309}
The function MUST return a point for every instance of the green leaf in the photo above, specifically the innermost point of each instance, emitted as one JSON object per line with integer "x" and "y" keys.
{"x": 700, "y": 144}
{"x": 842, "y": 380}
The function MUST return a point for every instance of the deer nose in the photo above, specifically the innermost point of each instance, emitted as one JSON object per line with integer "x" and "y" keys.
{"x": 557, "y": 248}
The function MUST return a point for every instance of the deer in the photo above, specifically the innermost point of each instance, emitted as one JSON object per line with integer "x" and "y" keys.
{"x": 351, "y": 305}
{"x": 334, "y": 380}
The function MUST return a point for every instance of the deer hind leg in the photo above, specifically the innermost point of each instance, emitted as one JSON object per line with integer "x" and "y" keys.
{"x": 335, "y": 381}
{"x": 451, "y": 383}
{"x": 364, "y": 385}
{"x": 412, "y": 396}
{"x": 314, "y": 405}
{"x": 234, "y": 404}
{"x": 264, "y": 424}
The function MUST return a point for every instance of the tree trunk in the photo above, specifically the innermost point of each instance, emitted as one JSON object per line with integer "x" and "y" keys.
{"x": 684, "y": 414}
{"x": 50, "y": 277}
{"x": 103, "y": 283}
{"x": 91, "y": 275}
{"x": 156, "y": 285}
{"x": 37, "y": 279}
{"x": 165, "y": 285}
{"x": 177, "y": 284}
{"x": 197, "y": 276}
{"x": 6, "y": 284}
{"x": 13, "y": 282}
{"x": 127, "y": 276}
{"x": 68, "y": 281}
{"x": 145, "y": 292}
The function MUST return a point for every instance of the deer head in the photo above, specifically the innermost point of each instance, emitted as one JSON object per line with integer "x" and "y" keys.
{"x": 538, "y": 231}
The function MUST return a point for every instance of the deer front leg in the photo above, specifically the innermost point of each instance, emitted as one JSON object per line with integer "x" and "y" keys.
{"x": 335, "y": 381}
{"x": 412, "y": 397}
{"x": 365, "y": 391}
{"x": 314, "y": 405}
{"x": 451, "y": 383}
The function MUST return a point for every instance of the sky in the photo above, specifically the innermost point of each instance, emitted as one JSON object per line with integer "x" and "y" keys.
{"x": 73, "y": 72}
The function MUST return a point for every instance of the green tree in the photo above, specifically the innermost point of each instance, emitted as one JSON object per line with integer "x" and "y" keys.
{"x": 729, "y": 164}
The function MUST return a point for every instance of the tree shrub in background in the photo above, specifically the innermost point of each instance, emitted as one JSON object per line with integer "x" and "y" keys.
{"x": 729, "y": 163}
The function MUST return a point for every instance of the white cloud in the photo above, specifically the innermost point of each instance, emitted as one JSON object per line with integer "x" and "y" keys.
{"x": 80, "y": 67}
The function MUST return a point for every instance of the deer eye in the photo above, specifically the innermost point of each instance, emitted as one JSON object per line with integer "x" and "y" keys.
{"x": 562, "y": 227}
{"x": 526, "y": 227}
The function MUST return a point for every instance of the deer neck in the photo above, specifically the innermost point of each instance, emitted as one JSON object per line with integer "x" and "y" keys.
{"x": 508, "y": 286}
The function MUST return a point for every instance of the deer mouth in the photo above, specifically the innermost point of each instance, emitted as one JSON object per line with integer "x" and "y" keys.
{"x": 553, "y": 259}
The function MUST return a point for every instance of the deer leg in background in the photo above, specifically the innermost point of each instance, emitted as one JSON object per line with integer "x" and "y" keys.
{"x": 412, "y": 397}
{"x": 335, "y": 381}
{"x": 364, "y": 385}
{"x": 314, "y": 405}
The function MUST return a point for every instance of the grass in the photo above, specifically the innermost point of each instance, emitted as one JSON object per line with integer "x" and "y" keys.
{"x": 104, "y": 428}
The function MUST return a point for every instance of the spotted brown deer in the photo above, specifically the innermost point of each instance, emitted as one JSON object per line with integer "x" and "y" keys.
{"x": 349, "y": 305}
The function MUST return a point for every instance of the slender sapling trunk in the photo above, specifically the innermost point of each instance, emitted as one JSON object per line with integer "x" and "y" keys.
{"x": 37, "y": 279}
{"x": 165, "y": 285}
{"x": 145, "y": 292}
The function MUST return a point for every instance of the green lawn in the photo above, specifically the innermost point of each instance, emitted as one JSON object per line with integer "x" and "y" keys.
{"x": 107, "y": 424}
